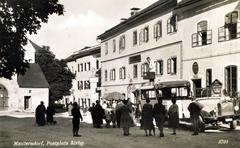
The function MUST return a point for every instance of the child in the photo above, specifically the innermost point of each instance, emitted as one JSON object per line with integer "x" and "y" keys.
{"x": 113, "y": 118}
{"x": 108, "y": 119}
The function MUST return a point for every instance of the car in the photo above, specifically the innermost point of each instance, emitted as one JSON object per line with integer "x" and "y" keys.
{"x": 219, "y": 110}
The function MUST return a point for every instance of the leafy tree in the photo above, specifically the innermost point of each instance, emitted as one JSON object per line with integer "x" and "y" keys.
{"x": 17, "y": 18}
{"x": 56, "y": 72}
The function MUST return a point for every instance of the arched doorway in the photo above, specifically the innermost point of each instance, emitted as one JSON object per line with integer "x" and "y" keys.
{"x": 3, "y": 98}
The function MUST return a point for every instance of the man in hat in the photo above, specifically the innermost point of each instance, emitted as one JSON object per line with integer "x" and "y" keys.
{"x": 75, "y": 121}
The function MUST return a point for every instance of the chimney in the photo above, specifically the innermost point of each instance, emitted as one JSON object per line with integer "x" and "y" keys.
{"x": 134, "y": 11}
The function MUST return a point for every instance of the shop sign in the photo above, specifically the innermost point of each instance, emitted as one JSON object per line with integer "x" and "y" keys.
{"x": 216, "y": 87}
{"x": 195, "y": 68}
{"x": 135, "y": 59}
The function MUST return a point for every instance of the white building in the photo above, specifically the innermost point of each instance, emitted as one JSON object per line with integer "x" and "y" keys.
{"x": 85, "y": 63}
{"x": 179, "y": 36}
{"x": 25, "y": 92}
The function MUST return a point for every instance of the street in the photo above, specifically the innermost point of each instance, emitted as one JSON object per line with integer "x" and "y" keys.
{"x": 20, "y": 131}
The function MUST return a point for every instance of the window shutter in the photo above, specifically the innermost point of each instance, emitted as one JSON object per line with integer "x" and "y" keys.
{"x": 124, "y": 72}
{"x": 111, "y": 74}
{"x": 155, "y": 30}
{"x": 221, "y": 34}
{"x": 209, "y": 37}
{"x": 168, "y": 25}
{"x": 176, "y": 23}
{"x": 169, "y": 66}
{"x": 161, "y": 67}
{"x": 120, "y": 73}
{"x": 141, "y": 37}
{"x": 142, "y": 69}
{"x": 160, "y": 29}
{"x": 123, "y": 42}
{"x": 238, "y": 30}
{"x": 194, "y": 40}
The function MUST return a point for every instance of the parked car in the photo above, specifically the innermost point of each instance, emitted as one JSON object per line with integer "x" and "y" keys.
{"x": 219, "y": 110}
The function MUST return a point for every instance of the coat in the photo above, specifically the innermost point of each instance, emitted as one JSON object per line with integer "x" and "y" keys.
{"x": 125, "y": 120}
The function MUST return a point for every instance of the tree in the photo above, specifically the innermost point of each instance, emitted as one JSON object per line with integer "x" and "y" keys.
{"x": 56, "y": 72}
{"x": 17, "y": 18}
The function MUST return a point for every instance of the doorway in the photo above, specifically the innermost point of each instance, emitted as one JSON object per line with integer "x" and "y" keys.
{"x": 197, "y": 87}
{"x": 27, "y": 102}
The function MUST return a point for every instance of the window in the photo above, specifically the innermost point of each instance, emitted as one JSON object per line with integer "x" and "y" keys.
{"x": 134, "y": 71}
{"x": 122, "y": 43}
{"x": 208, "y": 77}
{"x": 114, "y": 46}
{"x": 86, "y": 85}
{"x": 134, "y": 37}
{"x": 231, "y": 29}
{"x": 203, "y": 36}
{"x": 80, "y": 67}
{"x": 122, "y": 73}
{"x": 231, "y": 81}
{"x": 106, "y": 48}
{"x": 172, "y": 24}
{"x": 144, "y": 67}
{"x": 159, "y": 65}
{"x": 172, "y": 65}
{"x": 80, "y": 85}
{"x": 105, "y": 75}
{"x": 144, "y": 35}
{"x": 158, "y": 30}
{"x": 87, "y": 66}
{"x": 112, "y": 74}
{"x": 97, "y": 64}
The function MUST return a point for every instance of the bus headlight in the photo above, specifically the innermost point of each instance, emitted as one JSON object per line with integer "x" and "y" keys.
{"x": 236, "y": 108}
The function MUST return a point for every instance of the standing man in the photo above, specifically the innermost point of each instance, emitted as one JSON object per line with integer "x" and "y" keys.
{"x": 194, "y": 114}
{"x": 40, "y": 114}
{"x": 151, "y": 65}
{"x": 75, "y": 121}
{"x": 151, "y": 68}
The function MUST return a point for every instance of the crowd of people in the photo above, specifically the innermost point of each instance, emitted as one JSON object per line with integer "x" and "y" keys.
{"x": 120, "y": 114}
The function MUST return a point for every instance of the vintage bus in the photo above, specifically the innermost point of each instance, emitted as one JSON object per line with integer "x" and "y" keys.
{"x": 178, "y": 89}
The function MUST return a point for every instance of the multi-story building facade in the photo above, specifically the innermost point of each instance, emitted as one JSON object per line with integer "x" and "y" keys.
{"x": 179, "y": 36}
{"x": 85, "y": 63}
{"x": 211, "y": 44}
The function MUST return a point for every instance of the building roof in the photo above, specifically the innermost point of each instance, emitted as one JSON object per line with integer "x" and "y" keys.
{"x": 84, "y": 52}
{"x": 35, "y": 46}
{"x": 157, "y": 7}
{"x": 33, "y": 78}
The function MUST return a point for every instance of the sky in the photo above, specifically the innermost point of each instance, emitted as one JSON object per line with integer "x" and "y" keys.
{"x": 81, "y": 23}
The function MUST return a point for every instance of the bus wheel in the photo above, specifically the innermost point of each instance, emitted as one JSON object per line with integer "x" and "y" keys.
{"x": 233, "y": 124}
{"x": 201, "y": 124}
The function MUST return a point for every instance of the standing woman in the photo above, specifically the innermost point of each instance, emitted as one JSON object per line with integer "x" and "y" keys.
{"x": 159, "y": 113}
{"x": 173, "y": 116}
{"x": 147, "y": 117}
{"x": 98, "y": 114}
{"x": 125, "y": 120}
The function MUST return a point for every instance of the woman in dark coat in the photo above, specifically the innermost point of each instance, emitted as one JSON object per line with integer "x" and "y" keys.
{"x": 98, "y": 114}
{"x": 76, "y": 117}
{"x": 159, "y": 113}
{"x": 40, "y": 114}
{"x": 147, "y": 117}
{"x": 125, "y": 120}
{"x": 50, "y": 113}
{"x": 173, "y": 116}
